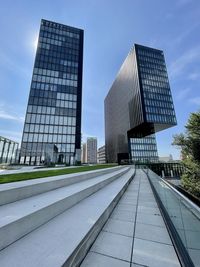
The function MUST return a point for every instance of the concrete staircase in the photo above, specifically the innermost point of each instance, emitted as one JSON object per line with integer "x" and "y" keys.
{"x": 53, "y": 221}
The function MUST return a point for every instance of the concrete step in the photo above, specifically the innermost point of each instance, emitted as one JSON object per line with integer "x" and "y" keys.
{"x": 65, "y": 239}
{"x": 11, "y": 192}
{"x": 21, "y": 217}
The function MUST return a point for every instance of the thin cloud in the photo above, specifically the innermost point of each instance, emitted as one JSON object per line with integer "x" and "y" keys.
{"x": 169, "y": 16}
{"x": 153, "y": 42}
{"x": 185, "y": 34}
{"x": 12, "y": 66}
{"x": 181, "y": 3}
{"x": 194, "y": 76}
{"x": 183, "y": 93}
{"x": 195, "y": 100}
{"x": 4, "y": 114}
{"x": 179, "y": 65}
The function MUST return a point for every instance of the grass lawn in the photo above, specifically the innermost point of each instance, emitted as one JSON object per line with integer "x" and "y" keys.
{"x": 9, "y": 178}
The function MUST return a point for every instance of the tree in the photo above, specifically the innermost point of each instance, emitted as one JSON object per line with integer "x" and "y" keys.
{"x": 190, "y": 150}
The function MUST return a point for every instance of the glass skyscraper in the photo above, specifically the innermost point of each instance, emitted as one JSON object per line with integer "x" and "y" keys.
{"x": 138, "y": 105}
{"x": 158, "y": 104}
{"x": 52, "y": 128}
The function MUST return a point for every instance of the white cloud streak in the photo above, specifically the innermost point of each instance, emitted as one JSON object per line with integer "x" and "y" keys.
{"x": 194, "y": 76}
{"x": 183, "y": 93}
{"x": 184, "y": 34}
{"x": 179, "y": 65}
{"x": 4, "y": 114}
{"x": 195, "y": 100}
{"x": 181, "y": 3}
{"x": 12, "y": 66}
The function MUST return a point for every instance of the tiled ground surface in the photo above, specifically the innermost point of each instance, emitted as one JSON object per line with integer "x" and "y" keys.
{"x": 135, "y": 234}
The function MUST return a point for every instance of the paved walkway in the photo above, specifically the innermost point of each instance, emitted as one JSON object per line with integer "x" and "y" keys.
{"x": 135, "y": 234}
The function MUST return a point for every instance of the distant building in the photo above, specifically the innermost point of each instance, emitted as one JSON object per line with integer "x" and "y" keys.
{"x": 92, "y": 150}
{"x": 52, "y": 128}
{"x": 138, "y": 104}
{"x": 84, "y": 153}
{"x": 166, "y": 158}
{"x": 101, "y": 155}
{"x": 8, "y": 150}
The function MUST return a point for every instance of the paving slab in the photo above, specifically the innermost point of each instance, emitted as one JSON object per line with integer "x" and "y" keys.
{"x": 194, "y": 253}
{"x": 153, "y": 233}
{"x": 151, "y": 204}
{"x": 117, "y": 246}
{"x": 119, "y": 227}
{"x": 123, "y": 215}
{"x": 148, "y": 210}
{"x": 154, "y": 254}
{"x": 150, "y": 219}
{"x": 193, "y": 239}
{"x": 99, "y": 260}
{"x": 126, "y": 207}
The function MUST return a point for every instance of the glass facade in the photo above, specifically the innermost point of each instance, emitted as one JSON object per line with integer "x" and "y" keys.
{"x": 8, "y": 150}
{"x": 144, "y": 150}
{"x": 158, "y": 102}
{"x": 138, "y": 104}
{"x": 52, "y": 129}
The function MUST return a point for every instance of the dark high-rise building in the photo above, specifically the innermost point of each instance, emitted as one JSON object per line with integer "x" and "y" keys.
{"x": 138, "y": 105}
{"x": 52, "y": 129}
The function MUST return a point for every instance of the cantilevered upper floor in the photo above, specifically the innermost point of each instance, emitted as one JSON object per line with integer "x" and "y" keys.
{"x": 139, "y": 102}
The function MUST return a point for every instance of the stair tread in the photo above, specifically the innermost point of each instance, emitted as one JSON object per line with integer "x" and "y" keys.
{"x": 16, "y": 210}
{"x": 20, "y": 184}
{"x": 52, "y": 243}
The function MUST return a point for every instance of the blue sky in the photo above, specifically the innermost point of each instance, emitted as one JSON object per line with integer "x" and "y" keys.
{"x": 111, "y": 28}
